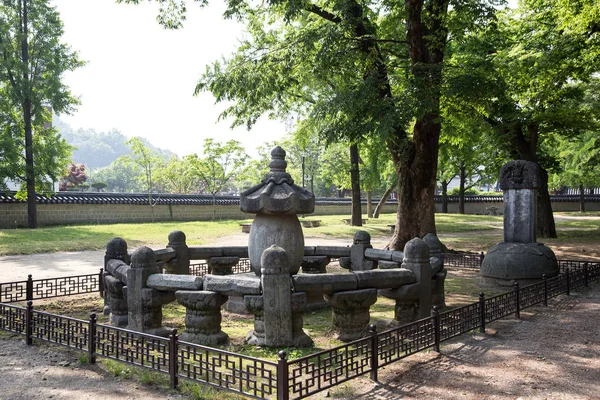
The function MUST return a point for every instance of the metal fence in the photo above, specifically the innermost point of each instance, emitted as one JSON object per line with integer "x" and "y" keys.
{"x": 201, "y": 268}
{"x": 284, "y": 379}
{"x": 37, "y": 289}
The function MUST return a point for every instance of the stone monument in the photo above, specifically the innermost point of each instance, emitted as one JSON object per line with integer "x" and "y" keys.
{"x": 277, "y": 201}
{"x": 519, "y": 257}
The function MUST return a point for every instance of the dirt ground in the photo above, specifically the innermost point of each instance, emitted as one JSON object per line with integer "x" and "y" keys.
{"x": 550, "y": 353}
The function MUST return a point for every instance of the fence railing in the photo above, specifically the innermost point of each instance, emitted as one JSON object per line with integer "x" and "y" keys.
{"x": 474, "y": 260}
{"x": 284, "y": 379}
{"x": 37, "y": 289}
{"x": 201, "y": 268}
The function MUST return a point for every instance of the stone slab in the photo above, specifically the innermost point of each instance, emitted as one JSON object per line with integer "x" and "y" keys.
{"x": 325, "y": 283}
{"x": 233, "y": 285}
{"x": 172, "y": 283}
{"x": 384, "y": 278}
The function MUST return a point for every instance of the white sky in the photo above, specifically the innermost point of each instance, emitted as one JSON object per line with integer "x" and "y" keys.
{"x": 140, "y": 78}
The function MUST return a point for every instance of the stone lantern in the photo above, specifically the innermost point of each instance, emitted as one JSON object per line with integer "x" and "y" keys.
{"x": 277, "y": 201}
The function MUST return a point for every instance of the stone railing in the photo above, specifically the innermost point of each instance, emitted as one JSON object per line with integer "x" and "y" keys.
{"x": 137, "y": 285}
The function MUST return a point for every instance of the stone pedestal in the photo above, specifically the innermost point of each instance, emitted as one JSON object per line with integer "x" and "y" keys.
{"x": 351, "y": 312}
{"x": 506, "y": 263}
{"x": 222, "y": 265}
{"x": 202, "y": 317}
{"x": 406, "y": 309}
{"x": 145, "y": 304}
{"x": 114, "y": 296}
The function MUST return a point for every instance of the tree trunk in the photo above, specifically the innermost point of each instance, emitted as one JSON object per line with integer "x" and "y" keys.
{"x": 581, "y": 199}
{"x": 461, "y": 190}
{"x": 545, "y": 219}
{"x": 384, "y": 199}
{"x": 29, "y": 165}
{"x": 444, "y": 197}
{"x": 369, "y": 204}
{"x": 416, "y": 184}
{"x": 355, "y": 182}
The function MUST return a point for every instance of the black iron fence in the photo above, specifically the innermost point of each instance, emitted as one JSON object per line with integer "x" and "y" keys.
{"x": 474, "y": 260}
{"x": 37, "y": 289}
{"x": 285, "y": 379}
{"x": 201, "y": 268}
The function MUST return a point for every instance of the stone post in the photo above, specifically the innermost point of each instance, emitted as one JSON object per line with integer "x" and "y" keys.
{"x": 145, "y": 304}
{"x": 436, "y": 256}
{"x": 406, "y": 309}
{"x": 115, "y": 301}
{"x": 277, "y": 297}
{"x": 255, "y": 305}
{"x": 202, "y": 317}
{"x": 181, "y": 264}
{"x": 361, "y": 242}
{"x": 351, "y": 312}
{"x": 299, "y": 337}
{"x": 116, "y": 249}
{"x": 315, "y": 265}
{"x": 416, "y": 259}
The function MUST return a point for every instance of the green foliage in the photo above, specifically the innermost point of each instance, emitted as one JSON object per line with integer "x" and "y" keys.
{"x": 120, "y": 176}
{"x": 118, "y": 369}
{"x": 220, "y": 164}
{"x": 143, "y": 158}
{"x": 31, "y": 67}
{"x": 468, "y": 192}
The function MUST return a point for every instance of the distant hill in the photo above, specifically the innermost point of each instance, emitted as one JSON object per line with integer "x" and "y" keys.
{"x": 99, "y": 149}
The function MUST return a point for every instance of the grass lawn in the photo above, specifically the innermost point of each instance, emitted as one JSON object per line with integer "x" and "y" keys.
{"x": 460, "y": 232}
{"x": 95, "y": 237}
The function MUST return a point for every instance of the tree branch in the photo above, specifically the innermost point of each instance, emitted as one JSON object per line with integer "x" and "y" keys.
{"x": 323, "y": 13}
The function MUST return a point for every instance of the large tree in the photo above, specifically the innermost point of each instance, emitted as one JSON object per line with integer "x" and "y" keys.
{"x": 529, "y": 75}
{"x": 351, "y": 69}
{"x": 32, "y": 61}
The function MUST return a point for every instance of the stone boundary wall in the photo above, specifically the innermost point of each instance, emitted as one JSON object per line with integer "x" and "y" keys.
{"x": 13, "y": 214}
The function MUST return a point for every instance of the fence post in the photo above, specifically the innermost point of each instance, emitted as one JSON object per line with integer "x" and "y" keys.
{"x": 29, "y": 322}
{"x": 29, "y": 288}
{"x": 517, "y": 300}
{"x": 101, "y": 282}
{"x": 568, "y": 273}
{"x": 545, "y": 278}
{"x": 435, "y": 313}
{"x": 283, "y": 388}
{"x": 374, "y": 353}
{"x": 586, "y": 276}
{"x": 482, "y": 311}
{"x": 173, "y": 365}
{"x": 92, "y": 339}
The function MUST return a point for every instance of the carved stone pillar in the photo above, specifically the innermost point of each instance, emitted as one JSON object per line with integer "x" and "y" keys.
{"x": 351, "y": 312}
{"x": 202, "y": 317}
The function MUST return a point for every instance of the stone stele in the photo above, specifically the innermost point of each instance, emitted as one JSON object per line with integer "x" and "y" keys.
{"x": 519, "y": 257}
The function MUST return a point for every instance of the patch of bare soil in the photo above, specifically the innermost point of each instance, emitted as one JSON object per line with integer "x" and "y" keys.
{"x": 44, "y": 371}
{"x": 550, "y": 353}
